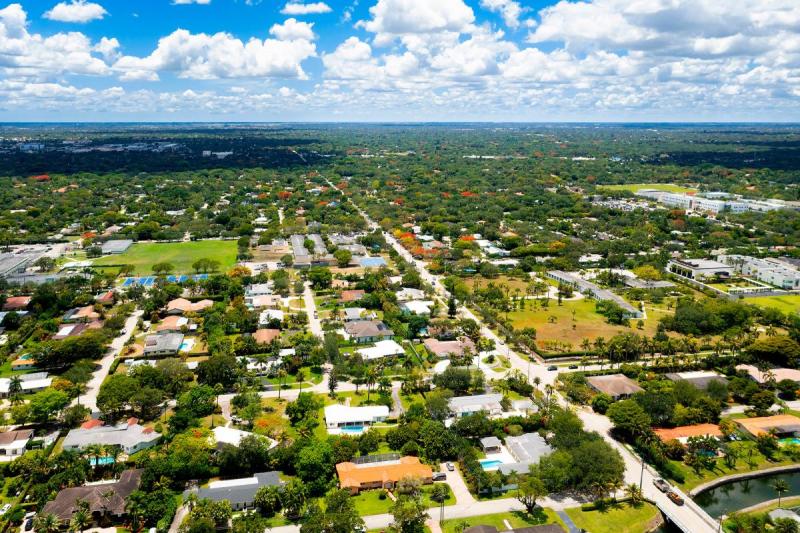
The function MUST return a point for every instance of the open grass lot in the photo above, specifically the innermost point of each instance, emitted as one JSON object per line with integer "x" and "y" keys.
{"x": 517, "y": 519}
{"x": 512, "y": 283}
{"x": 621, "y": 518}
{"x": 369, "y": 502}
{"x": 555, "y": 322}
{"x": 786, "y": 304}
{"x": 179, "y": 254}
{"x": 633, "y": 187}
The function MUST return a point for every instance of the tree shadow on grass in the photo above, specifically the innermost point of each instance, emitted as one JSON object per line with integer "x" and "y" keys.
{"x": 536, "y": 518}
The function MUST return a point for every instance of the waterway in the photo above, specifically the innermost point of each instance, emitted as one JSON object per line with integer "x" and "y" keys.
{"x": 738, "y": 494}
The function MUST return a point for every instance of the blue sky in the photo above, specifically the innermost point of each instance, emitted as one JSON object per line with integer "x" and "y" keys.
{"x": 399, "y": 60}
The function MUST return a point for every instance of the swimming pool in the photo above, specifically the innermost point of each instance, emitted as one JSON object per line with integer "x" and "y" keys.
{"x": 490, "y": 464}
{"x": 354, "y": 430}
{"x": 186, "y": 345}
{"x": 104, "y": 460}
{"x": 790, "y": 440}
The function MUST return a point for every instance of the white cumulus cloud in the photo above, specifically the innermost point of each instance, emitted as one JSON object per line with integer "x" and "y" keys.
{"x": 299, "y": 8}
{"x": 76, "y": 11}
{"x": 292, "y": 30}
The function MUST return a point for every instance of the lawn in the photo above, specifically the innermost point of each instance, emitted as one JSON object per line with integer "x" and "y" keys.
{"x": 512, "y": 283}
{"x": 786, "y": 304}
{"x": 369, "y": 502}
{"x": 757, "y": 460}
{"x": 633, "y": 187}
{"x": 180, "y": 254}
{"x": 516, "y": 519}
{"x": 557, "y": 322}
{"x": 621, "y": 518}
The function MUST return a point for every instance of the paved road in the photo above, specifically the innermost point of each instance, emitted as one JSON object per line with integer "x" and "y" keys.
{"x": 89, "y": 397}
{"x": 314, "y": 323}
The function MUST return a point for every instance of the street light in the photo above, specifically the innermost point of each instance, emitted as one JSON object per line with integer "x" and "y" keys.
{"x": 641, "y": 476}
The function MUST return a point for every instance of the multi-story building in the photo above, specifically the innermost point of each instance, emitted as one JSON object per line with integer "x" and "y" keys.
{"x": 769, "y": 270}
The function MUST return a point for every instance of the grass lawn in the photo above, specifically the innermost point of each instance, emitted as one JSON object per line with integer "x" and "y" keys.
{"x": 369, "y": 502}
{"x": 587, "y": 323}
{"x": 517, "y": 519}
{"x": 758, "y": 461}
{"x": 786, "y": 304}
{"x": 512, "y": 283}
{"x": 621, "y": 518}
{"x": 633, "y": 187}
{"x": 180, "y": 254}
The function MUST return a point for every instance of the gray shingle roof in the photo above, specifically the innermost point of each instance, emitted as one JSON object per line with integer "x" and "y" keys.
{"x": 240, "y": 493}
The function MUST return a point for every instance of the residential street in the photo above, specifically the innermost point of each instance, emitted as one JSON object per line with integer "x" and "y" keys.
{"x": 89, "y": 397}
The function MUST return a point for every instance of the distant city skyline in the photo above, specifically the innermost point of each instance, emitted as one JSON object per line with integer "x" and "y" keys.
{"x": 400, "y": 60}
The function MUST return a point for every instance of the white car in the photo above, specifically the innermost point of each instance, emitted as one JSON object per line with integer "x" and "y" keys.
{"x": 4, "y": 509}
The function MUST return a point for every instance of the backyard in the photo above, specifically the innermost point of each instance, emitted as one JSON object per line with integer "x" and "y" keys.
{"x": 181, "y": 255}
{"x": 516, "y": 519}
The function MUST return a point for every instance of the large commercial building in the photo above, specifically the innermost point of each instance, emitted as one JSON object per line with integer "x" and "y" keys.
{"x": 699, "y": 269}
{"x": 711, "y": 202}
{"x": 772, "y": 271}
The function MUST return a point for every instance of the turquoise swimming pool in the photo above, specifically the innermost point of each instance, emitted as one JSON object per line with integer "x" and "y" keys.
{"x": 355, "y": 430}
{"x": 790, "y": 440}
{"x": 489, "y": 464}
{"x": 101, "y": 461}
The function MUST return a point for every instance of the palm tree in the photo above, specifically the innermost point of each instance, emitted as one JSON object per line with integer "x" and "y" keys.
{"x": 371, "y": 378}
{"x": 281, "y": 377}
{"x": 780, "y": 487}
{"x": 80, "y": 520}
{"x": 15, "y": 390}
{"x": 634, "y": 492}
{"x": 46, "y": 523}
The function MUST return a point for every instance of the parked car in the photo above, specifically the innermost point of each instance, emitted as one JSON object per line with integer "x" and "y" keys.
{"x": 675, "y": 498}
{"x": 552, "y": 367}
{"x": 573, "y": 367}
{"x": 4, "y": 509}
{"x": 439, "y": 476}
{"x": 450, "y": 466}
{"x": 661, "y": 485}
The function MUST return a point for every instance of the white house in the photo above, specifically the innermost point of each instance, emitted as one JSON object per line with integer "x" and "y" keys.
{"x": 343, "y": 417}
{"x": 13, "y": 443}
{"x": 417, "y": 307}
{"x": 381, "y": 349}
{"x": 468, "y": 405}
{"x": 269, "y": 315}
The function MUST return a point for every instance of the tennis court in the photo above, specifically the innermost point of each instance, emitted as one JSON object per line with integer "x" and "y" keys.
{"x": 149, "y": 281}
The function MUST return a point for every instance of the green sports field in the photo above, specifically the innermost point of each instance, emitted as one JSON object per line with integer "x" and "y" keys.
{"x": 180, "y": 254}
{"x": 786, "y": 304}
{"x": 633, "y": 187}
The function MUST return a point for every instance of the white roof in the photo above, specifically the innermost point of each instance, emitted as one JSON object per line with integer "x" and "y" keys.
{"x": 381, "y": 349}
{"x": 270, "y": 314}
{"x": 233, "y": 436}
{"x": 30, "y": 384}
{"x": 409, "y": 293}
{"x": 418, "y": 307}
{"x": 342, "y": 414}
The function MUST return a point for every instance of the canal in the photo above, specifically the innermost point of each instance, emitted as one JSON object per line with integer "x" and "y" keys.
{"x": 738, "y": 494}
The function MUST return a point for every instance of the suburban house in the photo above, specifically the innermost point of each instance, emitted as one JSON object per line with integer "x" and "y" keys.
{"x": 259, "y": 289}
{"x": 700, "y": 379}
{"x": 81, "y": 314}
{"x": 417, "y": 307}
{"x": 223, "y": 435}
{"x": 683, "y": 433}
{"x": 491, "y": 444}
{"x": 163, "y": 344}
{"x": 239, "y": 492}
{"x": 387, "y": 348}
{"x": 13, "y": 443}
{"x": 33, "y": 382}
{"x": 364, "y": 331}
{"x": 73, "y": 330}
{"x": 266, "y": 336}
{"x": 383, "y": 475}
{"x": 782, "y": 426}
{"x": 104, "y": 498}
{"x": 527, "y": 450}
{"x": 468, "y": 405}
{"x": 264, "y": 301}
{"x": 444, "y": 349}
{"x": 618, "y": 386}
{"x": 339, "y": 417}
{"x": 778, "y": 374}
{"x": 172, "y": 323}
{"x": 24, "y": 362}
{"x": 179, "y": 306}
{"x": 130, "y": 436}
{"x": 16, "y": 303}
{"x": 352, "y": 295}
{"x": 407, "y": 294}
{"x": 352, "y": 314}
{"x": 105, "y": 298}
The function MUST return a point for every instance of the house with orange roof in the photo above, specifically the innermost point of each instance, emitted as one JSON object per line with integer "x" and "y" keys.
{"x": 383, "y": 475}
{"x": 81, "y": 314}
{"x": 266, "y": 336}
{"x": 173, "y": 323}
{"x": 683, "y": 433}
{"x": 782, "y": 426}
{"x": 16, "y": 303}
{"x": 178, "y": 306}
